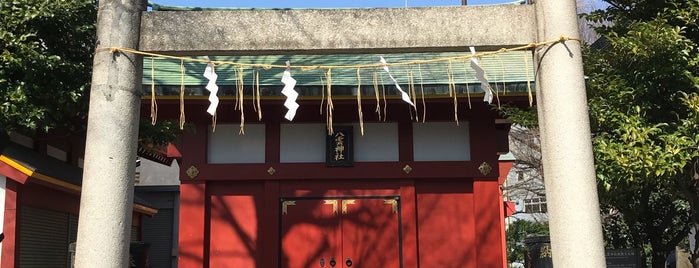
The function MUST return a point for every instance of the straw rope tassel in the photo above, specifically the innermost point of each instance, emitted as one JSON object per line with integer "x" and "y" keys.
{"x": 502, "y": 77}
{"x": 497, "y": 93}
{"x": 329, "y": 107}
{"x": 452, "y": 92}
{"x": 153, "y": 103}
{"x": 411, "y": 77}
{"x": 359, "y": 102}
{"x": 322, "y": 95}
{"x": 237, "y": 89}
{"x": 255, "y": 80}
{"x": 468, "y": 90}
{"x": 182, "y": 116}
{"x": 257, "y": 94}
{"x": 412, "y": 91}
{"x": 422, "y": 93}
{"x": 213, "y": 122}
{"x": 411, "y": 94}
{"x": 376, "y": 92}
{"x": 529, "y": 84}
{"x": 240, "y": 100}
{"x": 502, "y": 67}
{"x": 383, "y": 90}
{"x": 449, "y": 74}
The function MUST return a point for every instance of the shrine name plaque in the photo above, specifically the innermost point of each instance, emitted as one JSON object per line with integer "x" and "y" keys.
{"x": 339, "y": 147}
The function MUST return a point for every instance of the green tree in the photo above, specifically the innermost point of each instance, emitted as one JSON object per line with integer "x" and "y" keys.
{"x": 644, "y": 111}
{"x": 45, "y": 63}
{"x": 46, "y": 67}
{"x": 517, "y": 232}
{"x": 642, "y": 91}
{"x": 648, "y": 218}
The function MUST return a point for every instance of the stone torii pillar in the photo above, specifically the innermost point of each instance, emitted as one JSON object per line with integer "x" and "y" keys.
{"x": 106, "y": 202}
{"x": 566, "y": 145}
{"x": 105, "y": 213}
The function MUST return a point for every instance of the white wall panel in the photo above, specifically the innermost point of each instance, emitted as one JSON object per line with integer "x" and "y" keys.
{"x": 227, "y": 146}
{"x": 302, "y": 143}
{"x": 379, "y": 143}
{"x": 305, "y": 143}
{"x": 441, "y": 141}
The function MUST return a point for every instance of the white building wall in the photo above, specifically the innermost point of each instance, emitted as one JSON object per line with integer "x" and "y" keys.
{"x": 152, "y": 173}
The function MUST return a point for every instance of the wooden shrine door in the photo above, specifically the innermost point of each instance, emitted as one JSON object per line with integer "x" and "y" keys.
{"x": 341, "y": 232}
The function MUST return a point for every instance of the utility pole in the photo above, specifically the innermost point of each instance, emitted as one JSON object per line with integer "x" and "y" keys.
{"x": 106, "y": 202}
{"x": 463, "y": 2}
{"x": 566, "y": 144}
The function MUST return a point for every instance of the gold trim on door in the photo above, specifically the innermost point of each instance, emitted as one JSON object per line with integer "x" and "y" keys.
{"x": 332, "y": 202}
{"x": 285, "y": 204}
{"x": 393, "y": 203}
{"x": 347, "y": 202}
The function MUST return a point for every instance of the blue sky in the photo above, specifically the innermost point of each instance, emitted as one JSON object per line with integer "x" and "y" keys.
{"x": 320, "y": 3}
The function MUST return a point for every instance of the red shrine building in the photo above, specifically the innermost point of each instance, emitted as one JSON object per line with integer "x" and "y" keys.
{"x": 358, "y": 178}
{"x": 40, "y": 186}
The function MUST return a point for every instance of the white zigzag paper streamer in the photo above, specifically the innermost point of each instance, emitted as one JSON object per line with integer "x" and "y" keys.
{"x": 210, "y": 74}
{"x": 291, "y": 95}
{"x": 480, "y": 74}
{"x": 404, "y": 95}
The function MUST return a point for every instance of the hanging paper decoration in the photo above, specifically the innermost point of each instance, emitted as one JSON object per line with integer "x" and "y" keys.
{"x": 480, "y": 74}
{"x": 210, "y": 74}
{"x": 404, "y": 95}
{"x": 291, "y": 95}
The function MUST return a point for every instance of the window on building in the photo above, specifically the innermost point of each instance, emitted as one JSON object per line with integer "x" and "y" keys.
{"x": 535, "y": 205}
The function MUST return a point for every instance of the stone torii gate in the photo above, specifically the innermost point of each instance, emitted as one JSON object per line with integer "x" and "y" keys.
{"x": 105, "y": 210}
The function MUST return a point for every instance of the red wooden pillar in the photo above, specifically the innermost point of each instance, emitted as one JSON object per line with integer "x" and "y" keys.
{"x": 504, "y": 168}
{"x": 193, "y": 200}
{"x": 503, "y": 239}
{"x": 487, "y": 198}
{"x": 192, "y": 226}
{"x": 9, "y": 244}
{"x": 270, "y": 237}
{"x": 409, "y": 223}
{"x": 445, "y": 217}
{"x": 487, "y": 206}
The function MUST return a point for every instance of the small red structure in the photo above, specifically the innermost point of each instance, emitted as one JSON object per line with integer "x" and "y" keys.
{"x": 40, "y": 184}
{"x": 414, "y": 210}
{"x": 357, "y": 178}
